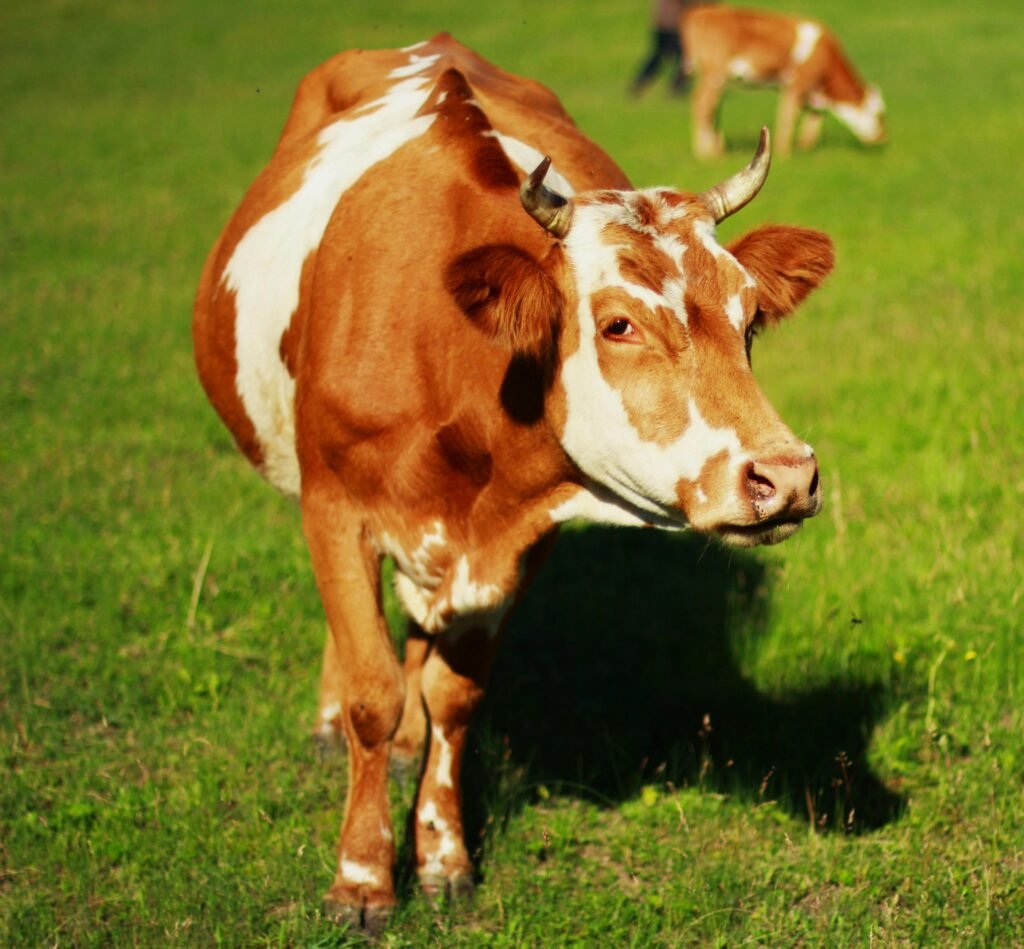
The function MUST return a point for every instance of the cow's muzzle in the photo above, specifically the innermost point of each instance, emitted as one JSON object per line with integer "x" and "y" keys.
{"x": 782, "y": 493}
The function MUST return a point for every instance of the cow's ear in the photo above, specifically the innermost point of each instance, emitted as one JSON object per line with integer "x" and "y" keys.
{"x": 787, "y": 263}
{"x": 509, "y": 296}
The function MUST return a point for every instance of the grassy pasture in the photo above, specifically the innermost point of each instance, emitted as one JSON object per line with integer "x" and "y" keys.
{"x": 818, "y": 743}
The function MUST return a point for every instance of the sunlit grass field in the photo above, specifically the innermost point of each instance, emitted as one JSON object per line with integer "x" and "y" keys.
{"x": 815, "y": 744}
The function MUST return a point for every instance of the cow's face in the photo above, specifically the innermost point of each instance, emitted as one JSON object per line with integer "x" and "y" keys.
{"x": 647, "y": 322}
{"x": 655, "y": 398}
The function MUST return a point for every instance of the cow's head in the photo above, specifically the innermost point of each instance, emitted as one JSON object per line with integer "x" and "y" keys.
{"x": 866, "y": 118}
{"x": 648, "y": 322}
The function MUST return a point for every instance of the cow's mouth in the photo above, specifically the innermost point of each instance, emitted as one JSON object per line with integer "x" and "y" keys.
{"x": 764, "y": 533}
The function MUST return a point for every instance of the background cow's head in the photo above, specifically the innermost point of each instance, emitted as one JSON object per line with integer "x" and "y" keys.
{"x": 647, "y": 323}
{"x": 866, "y": 118}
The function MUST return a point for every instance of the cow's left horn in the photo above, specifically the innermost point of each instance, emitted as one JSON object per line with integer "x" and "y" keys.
{"x": 548, "y": 208}
{"x": 732, "y": 194}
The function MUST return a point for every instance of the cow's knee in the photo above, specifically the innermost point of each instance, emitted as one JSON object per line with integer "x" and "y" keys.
{"x": 374, "y": 710}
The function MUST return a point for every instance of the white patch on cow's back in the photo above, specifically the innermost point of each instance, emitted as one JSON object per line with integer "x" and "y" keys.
{"x": 415, "y": 66}
{"x": 807, "y": 35}
{"x": 266, "y": 267}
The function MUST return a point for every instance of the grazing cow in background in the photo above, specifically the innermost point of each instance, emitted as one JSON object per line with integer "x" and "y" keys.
{"x": 800, "y": 56}
{"x": 443, "y": 359}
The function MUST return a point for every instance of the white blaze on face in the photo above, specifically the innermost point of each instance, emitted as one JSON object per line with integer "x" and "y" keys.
{"x": 266, "y": 266}
{"x": 599, "y": 436}
{"x": 807, "y": 36}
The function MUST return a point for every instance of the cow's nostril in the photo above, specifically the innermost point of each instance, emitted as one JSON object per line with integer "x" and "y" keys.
{"x": 760, "y": 487}
{"x": 813, "y": 489}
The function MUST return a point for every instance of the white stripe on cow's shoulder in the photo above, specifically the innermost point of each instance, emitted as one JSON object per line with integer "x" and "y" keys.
{"x": 526, "y": 158}
{"x": 807, "y": 35}
{"x": 266, "y": 266}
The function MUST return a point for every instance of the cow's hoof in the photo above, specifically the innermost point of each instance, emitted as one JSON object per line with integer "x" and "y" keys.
{"x": 370, "y": 920}
{"x": 456, "y": 889}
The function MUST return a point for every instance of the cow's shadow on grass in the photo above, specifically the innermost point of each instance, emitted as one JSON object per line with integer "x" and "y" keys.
{"x": 619, "y": 669}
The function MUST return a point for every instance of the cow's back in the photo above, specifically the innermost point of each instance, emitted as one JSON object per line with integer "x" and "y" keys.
{"x": 351, "y": 120}
{"x": 748, "y": 44}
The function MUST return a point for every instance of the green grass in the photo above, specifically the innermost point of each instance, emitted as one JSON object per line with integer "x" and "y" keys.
{"x": 817, "y": 743}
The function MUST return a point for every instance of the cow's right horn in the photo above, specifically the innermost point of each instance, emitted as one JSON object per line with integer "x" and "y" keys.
{"x": 548, "y": 208}
{"x": 732, "y": 194}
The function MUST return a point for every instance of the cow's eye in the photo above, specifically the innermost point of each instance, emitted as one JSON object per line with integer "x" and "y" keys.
{"x": 619, "y": 329}
{"x": 751, "y": 333}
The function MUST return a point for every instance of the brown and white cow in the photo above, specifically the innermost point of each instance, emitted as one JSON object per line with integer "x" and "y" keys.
{"x": 800, "y": 56}
{"x": 443, "y": 367}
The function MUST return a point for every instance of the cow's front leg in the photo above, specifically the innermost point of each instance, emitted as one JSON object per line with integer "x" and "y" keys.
{"x": 371, "y": 695}
{"x": 408, "y": 741}
{"x": 453, "y": 683}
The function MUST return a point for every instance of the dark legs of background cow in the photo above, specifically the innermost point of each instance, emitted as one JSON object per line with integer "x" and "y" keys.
{"x": 665, "y": 46}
